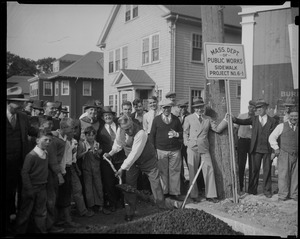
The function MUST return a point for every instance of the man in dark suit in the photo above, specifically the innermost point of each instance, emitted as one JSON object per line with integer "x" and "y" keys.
{"x": 106, "y": 136}
{"x": 17, "y": 131}
{"x": 260, "y": 149}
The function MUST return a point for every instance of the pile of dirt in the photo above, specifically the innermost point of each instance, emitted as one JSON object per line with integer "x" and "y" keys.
{"x": 185, "y": 221}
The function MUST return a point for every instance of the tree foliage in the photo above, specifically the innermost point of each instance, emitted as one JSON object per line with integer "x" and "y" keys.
{"x": 17, "y": 65}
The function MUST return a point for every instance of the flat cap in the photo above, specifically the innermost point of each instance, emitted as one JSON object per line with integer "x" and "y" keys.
{"x": 166, "y": 102}
{"x": 171, "y": 93}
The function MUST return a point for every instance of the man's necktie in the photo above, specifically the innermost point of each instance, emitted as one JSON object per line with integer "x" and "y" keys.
{"x": 112, "y": 133}
{"x": 13, "y": 121}
{"x": 200, "y": 119}
{"x": 262, "y": 122}
{"x": 167, "y": 121}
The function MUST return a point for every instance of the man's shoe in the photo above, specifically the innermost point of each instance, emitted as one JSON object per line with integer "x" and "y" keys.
{"x": 214, "y": 200}
{"x": 56, "y": 230}
{"x": 89, "y": 213}
{"x": 178, "y": 197}
{"x": 113, "y": 209}
{"x": 268, "y": 195}
{"x": 72, "y": 224}
{"x": 282, "y": 199}
{"x": 196, "y": 200}
{"x": 128, "y": 218}
{"x": 104, "y": 211}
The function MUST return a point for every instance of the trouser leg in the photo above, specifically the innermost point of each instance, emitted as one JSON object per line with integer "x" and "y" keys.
{"x": 254, "y": 173}
{"x": 267, "y": 164}
{"x": 283, "y": 175}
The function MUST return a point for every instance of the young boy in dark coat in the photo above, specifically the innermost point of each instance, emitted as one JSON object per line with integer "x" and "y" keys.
{"x": 34, "y": 178}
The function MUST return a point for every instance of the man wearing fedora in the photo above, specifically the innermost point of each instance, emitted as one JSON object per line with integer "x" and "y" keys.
{"x": 106, "y": 136}
{"x": 287, "y": 152}
{"x": 166, "y": 136}
{"x": 183, "y": 112}
{"x": 195, "y": 134}
{"x": 260, "y": 149}
{"x": 64, "y": 113}
{"x": 38, "y": 108}
{"x": 243, "y": 145}
{"x": 90, "y": 118}
{"x": 17, "y": 131}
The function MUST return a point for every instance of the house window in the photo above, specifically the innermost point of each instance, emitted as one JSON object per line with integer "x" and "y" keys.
{"x": 135, "y": 11}
{"x": 238, "y": 91}
{"x": 116, "y": 103}
{"x": 195, "y": 94}
{"x": 150, "y": 49}
{"x": 111, "y": 100}
{"x": 47, "y": 88}
{"x": 56, "y": 88}
{"x": 145, "y": 53}
{"x": 111, "y": 62}
{"x": 155, "y": 48}
{"x": 127, "y": 13}
{"x": 159, "y": 95}
{"x": 124, "y": 57}
{"x": 118, "y": 59}
{"x": 124, "y": 97}
{"x": 87, "y": 88}
{"x": 65, "y": 87}
{"x": 197, "y": 53}
{"x": 131, "y": 12}
{"x": 34, "y": 89}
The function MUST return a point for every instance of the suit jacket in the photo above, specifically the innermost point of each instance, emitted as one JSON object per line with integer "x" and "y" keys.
{"x": 26, "y": 130}
{"x": 195, "y": 134}
{"x": 254, "y": 121}
{"x": 104, "y": 139}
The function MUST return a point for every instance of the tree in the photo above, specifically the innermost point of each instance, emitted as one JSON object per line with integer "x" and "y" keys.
{"x": 20, "y": 66}
{"x": 45, "y": 64}
{"x": 213, "y": 31}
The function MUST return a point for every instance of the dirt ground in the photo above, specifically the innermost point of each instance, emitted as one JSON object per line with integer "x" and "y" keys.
{"x": 276, "y": 216}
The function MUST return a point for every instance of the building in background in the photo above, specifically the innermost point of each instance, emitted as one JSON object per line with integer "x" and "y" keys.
{"x": 271, "y": 39}
{"x": 74, "y": 81}
{"x": 153, "y": 49}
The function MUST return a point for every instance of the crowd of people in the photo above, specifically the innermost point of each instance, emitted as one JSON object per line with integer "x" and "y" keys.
{"x": 54, "y": 161}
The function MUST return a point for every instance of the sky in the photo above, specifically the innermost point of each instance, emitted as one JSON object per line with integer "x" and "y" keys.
{"x": 37, "y": 31}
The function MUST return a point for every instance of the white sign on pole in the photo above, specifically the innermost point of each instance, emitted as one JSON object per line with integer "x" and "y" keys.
{"x": 224, "y": 61}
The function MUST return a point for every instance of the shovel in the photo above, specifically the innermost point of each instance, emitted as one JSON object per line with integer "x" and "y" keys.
{"x": 128, "y": 188}
{"x": 192, "y": 185}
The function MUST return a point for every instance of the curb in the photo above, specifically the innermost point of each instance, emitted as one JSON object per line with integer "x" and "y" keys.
{"x": 238, "y": 224}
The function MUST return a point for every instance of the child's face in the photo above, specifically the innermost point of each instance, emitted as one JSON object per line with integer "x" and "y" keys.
{"x": 43, "y": 142}
{"x": 90, "y": 137}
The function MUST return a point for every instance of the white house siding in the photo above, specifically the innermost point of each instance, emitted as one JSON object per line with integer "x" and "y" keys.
{"x": 149, "y": 21}
{"x": 192, "y": 75}
{"x": 188, "y": 74}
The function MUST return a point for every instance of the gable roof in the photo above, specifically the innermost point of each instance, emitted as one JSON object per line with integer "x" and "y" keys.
{"x": 21, "y": 81}
{"x": 128, "y": 77}
{"x": 88, "y": 66}
{"x": 231, "y": 17}
{"x": 70, "y": 57}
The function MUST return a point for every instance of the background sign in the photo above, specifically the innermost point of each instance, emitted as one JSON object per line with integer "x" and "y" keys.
{"x": 224, "y": 61}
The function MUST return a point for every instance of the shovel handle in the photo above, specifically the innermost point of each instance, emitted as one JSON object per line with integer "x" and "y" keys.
{"x": 192, "y": 185}
{"x": 113, "y": 168}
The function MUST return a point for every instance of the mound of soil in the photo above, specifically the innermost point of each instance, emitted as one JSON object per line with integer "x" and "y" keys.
{"x": 185, "y": 221}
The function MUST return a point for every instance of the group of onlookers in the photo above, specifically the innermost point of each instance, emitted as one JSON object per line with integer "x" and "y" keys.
{"x": 54, "y": 161}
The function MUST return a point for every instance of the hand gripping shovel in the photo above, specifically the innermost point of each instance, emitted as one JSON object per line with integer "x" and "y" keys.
{"x": 113, "y": 168}
{"x": 192, "y": 185}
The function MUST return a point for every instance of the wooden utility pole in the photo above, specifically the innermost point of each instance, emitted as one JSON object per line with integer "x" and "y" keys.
{"x": 213, "y": 31}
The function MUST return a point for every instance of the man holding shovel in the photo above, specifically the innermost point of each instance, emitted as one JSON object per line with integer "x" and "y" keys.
{"x": 142, "y": 157}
